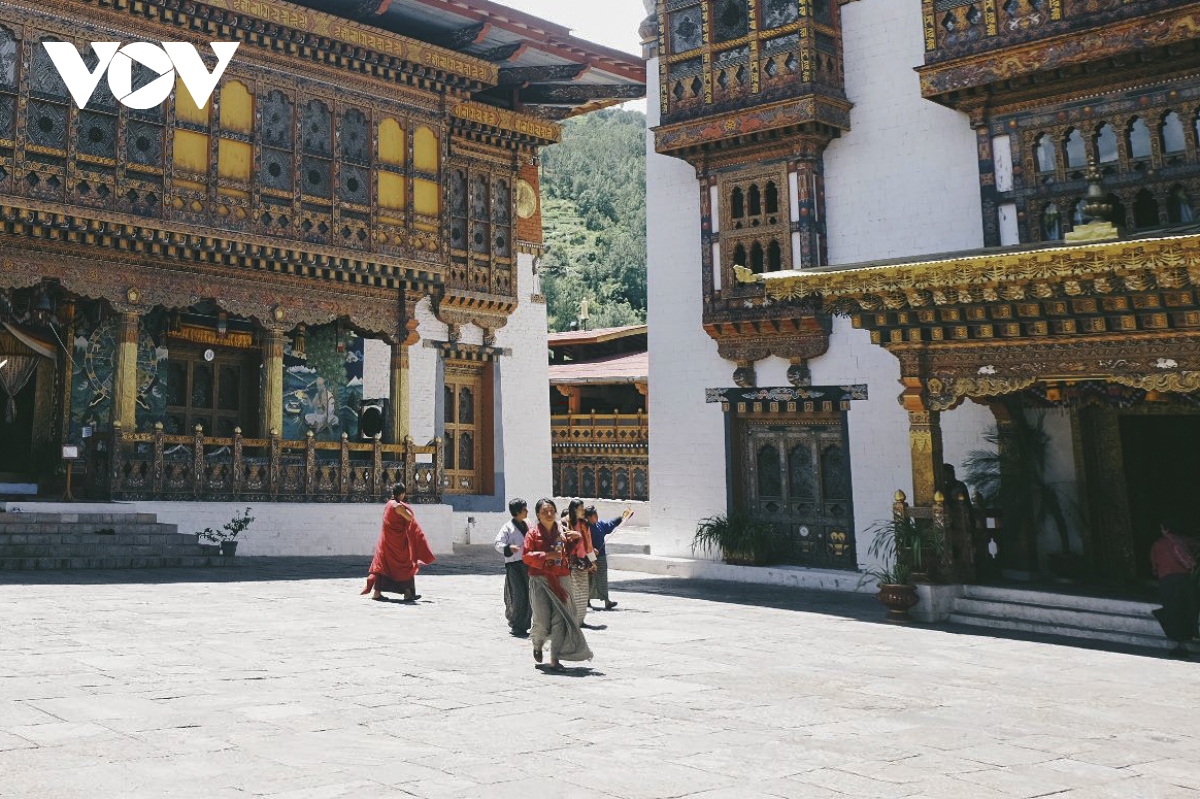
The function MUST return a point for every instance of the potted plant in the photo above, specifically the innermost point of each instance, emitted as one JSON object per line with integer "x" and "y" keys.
{"x": 903, "y": 547}
{"x": 226, "y": 537}
{"x": 739, "y": 537}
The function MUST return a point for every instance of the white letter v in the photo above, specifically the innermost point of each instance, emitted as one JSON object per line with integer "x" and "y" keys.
{"x": 200, "y": 84}
{"x": 74, "y": 72}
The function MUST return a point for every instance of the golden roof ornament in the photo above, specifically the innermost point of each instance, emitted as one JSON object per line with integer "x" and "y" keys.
{"x": 1095, "y": 210}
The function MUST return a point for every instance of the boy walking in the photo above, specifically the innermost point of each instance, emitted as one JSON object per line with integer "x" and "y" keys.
{"x": 601, "y": 531}
{"x": 509, "y": 542}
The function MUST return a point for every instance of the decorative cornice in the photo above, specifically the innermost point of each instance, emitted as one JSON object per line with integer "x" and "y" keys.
{"x": 811, "y": 114}
{"x": 1062, "y": 52}
{"x": 1044, "y": 273}
{"x": 504, "y": 126}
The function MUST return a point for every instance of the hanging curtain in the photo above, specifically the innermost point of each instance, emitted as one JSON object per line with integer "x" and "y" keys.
{"x": 13, "y": 377}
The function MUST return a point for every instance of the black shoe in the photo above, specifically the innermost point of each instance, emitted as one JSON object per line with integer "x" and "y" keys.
{"x": 537, "y": 655}
{"x": 609, "y": 605}
{"x": 519, "y": 633}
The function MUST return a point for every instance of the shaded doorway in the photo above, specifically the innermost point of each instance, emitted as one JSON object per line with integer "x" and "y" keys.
{"x": 1161, "y": 457}
{"x": 16, "y": 433}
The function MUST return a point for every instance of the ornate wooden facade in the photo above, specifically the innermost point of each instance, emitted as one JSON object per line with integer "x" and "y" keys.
{"x": 342, "y": 172}
{"x": 1049, "y": 87}
{"x": 751, "y": 93}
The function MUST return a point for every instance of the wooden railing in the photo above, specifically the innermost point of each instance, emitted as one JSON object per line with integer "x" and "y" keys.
{"x": 601, "y": 456}
{"x": 154, "y": 465}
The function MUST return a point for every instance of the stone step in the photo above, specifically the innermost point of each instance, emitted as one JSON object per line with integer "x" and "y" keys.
{"x": 1066, "y": 630}
{"x": 1120, "y": 620}
{"x": 125, "y": 562}
{"x": 85, "y": 518}
{"x": 1050, "y": 599}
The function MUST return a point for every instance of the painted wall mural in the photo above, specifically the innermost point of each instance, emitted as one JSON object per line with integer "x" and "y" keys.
{"x": 322, "y": 384}
{"x": 93, "y": 354}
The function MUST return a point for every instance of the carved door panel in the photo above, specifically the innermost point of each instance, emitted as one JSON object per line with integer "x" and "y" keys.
{"x": 796, "y": 475}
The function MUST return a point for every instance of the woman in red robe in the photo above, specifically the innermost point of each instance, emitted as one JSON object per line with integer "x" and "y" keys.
{"x": 401, "y": 550}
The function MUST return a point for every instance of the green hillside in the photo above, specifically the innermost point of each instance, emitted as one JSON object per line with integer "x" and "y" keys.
{"x": 594, "y": 214}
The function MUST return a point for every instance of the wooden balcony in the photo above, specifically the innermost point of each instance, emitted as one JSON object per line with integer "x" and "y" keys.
{"x": 601, "y": 456}
{"x": 155, "y": 466}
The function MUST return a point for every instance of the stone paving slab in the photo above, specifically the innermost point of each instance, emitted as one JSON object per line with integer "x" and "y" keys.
{"x": 274, "y": 678}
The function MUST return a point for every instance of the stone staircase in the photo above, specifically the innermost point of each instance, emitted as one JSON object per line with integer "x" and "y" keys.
{"x": 46, "y": 541}
{"x": 1047, "y": 613}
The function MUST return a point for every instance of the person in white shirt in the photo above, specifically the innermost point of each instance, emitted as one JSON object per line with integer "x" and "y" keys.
{"x": 509, "y": 543}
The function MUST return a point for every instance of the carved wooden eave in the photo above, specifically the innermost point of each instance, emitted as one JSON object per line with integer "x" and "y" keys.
{"x": 315, "y": 36}
{"x": 991, "y": 323}
{"x": 1083, "y": 59}
{"x": 791, "y": 337}
{"x": 457, "y": 308}
{"x": 505, "y": 129}
{"x": 826, "y": 117}
{"x": 272, "y": 300}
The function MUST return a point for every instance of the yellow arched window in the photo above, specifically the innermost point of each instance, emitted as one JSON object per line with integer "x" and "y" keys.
{"x": 235, "y": 153}
{"x": 393, "y": 152}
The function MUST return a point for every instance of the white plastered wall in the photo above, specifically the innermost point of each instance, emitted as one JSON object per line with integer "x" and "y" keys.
{"x": 687, "y": 436}
{"x": 905, "y": 180}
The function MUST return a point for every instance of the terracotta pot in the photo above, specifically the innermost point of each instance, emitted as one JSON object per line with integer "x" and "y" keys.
{"x": 897, "y": 599}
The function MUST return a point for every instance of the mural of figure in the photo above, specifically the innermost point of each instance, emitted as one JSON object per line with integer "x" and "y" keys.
{"x": 322, "y": 409}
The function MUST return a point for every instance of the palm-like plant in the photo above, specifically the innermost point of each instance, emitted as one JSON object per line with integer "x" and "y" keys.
{"x": 904, "y": 546}
{"x": 739, "y": 536}
{"x": 1012, "y": 476}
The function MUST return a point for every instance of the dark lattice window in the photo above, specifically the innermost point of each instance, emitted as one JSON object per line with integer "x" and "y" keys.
{"x": 43, "y": 77}
{"x": 10, "y": 54}
{"x": 457, "y": 197}
{"x": 801, "y": 475}
{"x": 835, "y": 476}
{"x": 774, "y": 257}
{"x": 47, "y": 125}
{"x": 277, "y": 121}
{"x": 1078, "y": 214}
{"x": 770, "y": 481}
{"x": 97, "y": 134}
{"x": 501, "y": 218}
{"x": 1118, "y": 214}
{"x": 315, "y": 174}
{"x": 731, "y": 19}
{"x": 480, "y": 215}
{"x": 779, "y": 12}
{"x": 685, "y": 28}
{"x": 737, "y": 203}
{"x": 277, "y": 135}
{"x": 276, "y": 169}
{"x": 772, "y": 198}
{"x": 755, "y": 200}
{"x": 144, "y": 143}
{"x": 739, "y": 255}
{"x": 315, "y": 129}
{"x": 756, "y": 258}
{"x": 355, "y": 140}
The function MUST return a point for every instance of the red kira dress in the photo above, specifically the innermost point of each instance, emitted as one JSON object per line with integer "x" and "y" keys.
{"x": 401, "y": 550}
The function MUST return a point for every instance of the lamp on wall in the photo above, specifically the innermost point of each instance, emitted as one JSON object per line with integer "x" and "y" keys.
{"x": 299, "y": 341}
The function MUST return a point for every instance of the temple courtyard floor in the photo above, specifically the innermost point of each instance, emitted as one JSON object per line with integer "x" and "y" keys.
{"x": 275, "y": 678}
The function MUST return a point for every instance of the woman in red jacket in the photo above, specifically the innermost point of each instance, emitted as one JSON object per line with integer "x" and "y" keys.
{"x": 546, "y": 553}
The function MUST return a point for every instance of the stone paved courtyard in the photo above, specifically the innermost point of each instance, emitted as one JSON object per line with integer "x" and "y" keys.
{"x": 274, "y": 678}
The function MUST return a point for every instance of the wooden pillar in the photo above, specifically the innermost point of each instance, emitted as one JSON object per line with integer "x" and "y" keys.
{"x": 271, "y": 404}
{"x": 925, "y": 441}
{"x": 124, "y": 409}
{"x": 574, "y": 397}
{"x": 398, "y": 423}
